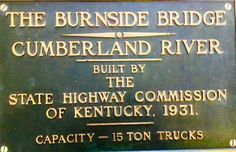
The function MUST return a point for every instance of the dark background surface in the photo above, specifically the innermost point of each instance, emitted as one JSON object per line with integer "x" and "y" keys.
{"x": 19, "y": 125}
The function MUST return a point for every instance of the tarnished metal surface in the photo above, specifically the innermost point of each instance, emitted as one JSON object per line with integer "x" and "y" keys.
{"x": 208, "y": 123}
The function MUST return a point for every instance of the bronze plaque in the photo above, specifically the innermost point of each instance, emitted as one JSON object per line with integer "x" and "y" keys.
{"x": 95, "y": 76}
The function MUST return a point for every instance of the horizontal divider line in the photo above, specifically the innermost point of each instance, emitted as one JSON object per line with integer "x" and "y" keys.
{"x": 119, "y": 34}
{"x": 119, "y": 124}
{"x": 120, "y": 60}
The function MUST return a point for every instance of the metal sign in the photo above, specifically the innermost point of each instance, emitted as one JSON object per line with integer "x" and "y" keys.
{"x": 92, "y": 76}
